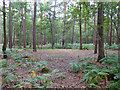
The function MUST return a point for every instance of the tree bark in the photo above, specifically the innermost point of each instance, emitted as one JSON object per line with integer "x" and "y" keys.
{"x": 10, "y": 31}
{"x": 41, "y": 36}
{"x": 85, "y": 33}
{"x": 63, "y": 41}
{"x": 34, "y": 28}
{"x": 4, "y": 29}
{"x": 80, "y": 29}
{"x": 53, "y": 27}
{"x": 95, "y": 36}
{"x": 73, "y": 30}
{"x": 111, "y": 31}
{"x": 24, "y": 31}
{"x": 44, "y": 36}
{"x": 100, "y": 32}
{"x": 0, "y": 31}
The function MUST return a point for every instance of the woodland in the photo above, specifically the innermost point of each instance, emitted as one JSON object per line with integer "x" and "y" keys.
{"x": 55, "y": 44}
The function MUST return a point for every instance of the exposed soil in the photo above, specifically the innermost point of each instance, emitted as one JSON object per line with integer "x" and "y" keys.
{"x": 59, "y": 59}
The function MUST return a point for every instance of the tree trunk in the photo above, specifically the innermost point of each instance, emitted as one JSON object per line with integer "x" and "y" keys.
{"x": 95, "y": 36}
{"x": 14, "y": 38}
{"x": 4, "y": 29}
{"x": 44, "y": 36}
{"x": 0, "y": 31}
{"x": 63, "y": 41}
{"x": 34, "y": 28}
{"x": 85, "y": 32}
{"x": 108, "y": 36}
{"x": 41, "y": 36}
{"x": 100, "y": 32}
{"x": 10, "y": 31}
{"x": 73, "y": 30}
{"x": 24, "y": 32}
{"x": 113, "y": 37}
{"x": 119, "y": 32}
{"x": 80, "y": 29}
{"x": 53, "y": 27}
{"x": 111, "y": 31}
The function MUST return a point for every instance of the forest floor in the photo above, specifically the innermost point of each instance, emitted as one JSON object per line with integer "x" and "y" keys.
{"x": 59, "y": 59}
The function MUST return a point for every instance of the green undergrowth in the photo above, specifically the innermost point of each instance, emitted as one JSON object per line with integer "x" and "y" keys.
{"x": 41, "y": 75}
{"x": 96, "y": 72}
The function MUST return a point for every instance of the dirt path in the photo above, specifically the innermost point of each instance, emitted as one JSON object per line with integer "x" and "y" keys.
{"x": 59, "y": 59}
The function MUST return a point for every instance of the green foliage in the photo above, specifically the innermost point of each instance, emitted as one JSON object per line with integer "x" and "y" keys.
{"x": 10, "y": 77}
{"x": 94, "y": 74}
{"x": 74, "y": 66}
{"x": 3, "y": 63}
{"x": 94, "y": 85}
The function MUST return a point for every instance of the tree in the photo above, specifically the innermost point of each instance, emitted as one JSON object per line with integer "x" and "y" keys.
{"x": 63, "y": 41}
{"x": 73, "y": 30}
{"x": 24, "y": 31}
{"x": 100, "y": 32}
{"x": 10, "y": 31}
{"x": 4, "y": 29}
{"x": 80, "y": 27}
{"x": 95, "y": 36}
{"x": 53, "y": 26}
{"x": 34, "y": 28}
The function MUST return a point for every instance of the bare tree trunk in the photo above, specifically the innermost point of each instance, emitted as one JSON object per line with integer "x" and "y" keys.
{"x": 63, "y": 41}
{"x": 41, "y": 36}
{"x": 14, "y": 37}
{"x": 10, "y": 31}
{"x": 100, "y": 32}
{"x": 73, "y": 30}
{"x": 24, "y": 31}
{"x": 108, "y": 36}
{"x": 85, "y": 33}
{"x": 34, "y": 28}
{"x": 118, "y": 32}
{"x": 4, "y": 29}
{"x": 95, "y": 36}
{"x": 44, "y": 36}
{"x": 113, "y": 37}
{"x": 111, "y": 31}
{"x": 80, "y": 29}
{"x": 0, "y": 31}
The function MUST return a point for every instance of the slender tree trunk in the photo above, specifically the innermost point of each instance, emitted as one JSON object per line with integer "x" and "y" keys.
{"x": 119, "y": 32}
{"x": 34, "y": 28}
{"x": 0, "y": 30}
{"x": 14, "y": 37}
{"x": 10, "y": 31}
{"x": 113, "y": 37}
{"x": 80, "y": 25}
{"x": 4, "y": 29}
{"x": 111, "y": 31}
{"x": 25, "y": 27}
{"x": 44, "y": 36}
{"x": 73, "y": 30}
{"x": 95, "y": 36}
{"x": 24, "y": 32}
{"x": 53, "y": 27}
{"x": 100, "y": 32}
{"x": 88, "y": 36}
{"x": 108, "y": 36}
{"x": 37, "y": 40}
{"x": 41, "y": 36}
{"x": 63, "y": 41}
{"x": 85, "y": 32}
